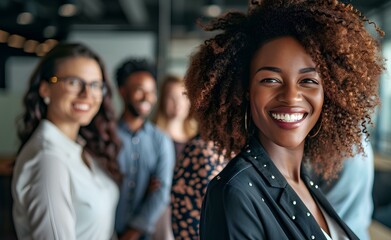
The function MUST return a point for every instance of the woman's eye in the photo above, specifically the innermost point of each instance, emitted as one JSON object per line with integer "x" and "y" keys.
{"x": 309, "y": 80}
{"x": 73, "y": 81}
{"x": 270, "y": 80}
{"x": 96, "y": 85}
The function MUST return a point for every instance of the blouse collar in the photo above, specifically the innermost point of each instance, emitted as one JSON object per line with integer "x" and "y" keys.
{"x": 54, "y": 135}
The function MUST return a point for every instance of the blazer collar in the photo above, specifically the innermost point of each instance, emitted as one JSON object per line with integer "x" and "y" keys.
{"x": 257, "y": 156}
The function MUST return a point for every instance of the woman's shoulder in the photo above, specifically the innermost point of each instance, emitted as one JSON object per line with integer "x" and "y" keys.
{"x": 42, "y": 153}
{"x": 236, "y": 169}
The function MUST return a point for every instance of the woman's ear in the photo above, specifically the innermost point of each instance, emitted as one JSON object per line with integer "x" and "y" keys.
{"x": 44, "y": 90}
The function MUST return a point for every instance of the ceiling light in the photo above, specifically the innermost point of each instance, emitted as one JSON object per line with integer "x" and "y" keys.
{"x": 16, "y": 41}
{"x": 30, "y": 46}
{"x": 25, "y": 18}
{"x": 27, "y": 13}
{"x": 67, "y": 10}
{"x": 4, "y": 36}
{"x": 51, "y": 43}
{"x": 212, "y": 10}
{"x": 42, "y": 49}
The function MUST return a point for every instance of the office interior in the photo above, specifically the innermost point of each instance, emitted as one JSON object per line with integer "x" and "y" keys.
{"x": 163, "y": 31}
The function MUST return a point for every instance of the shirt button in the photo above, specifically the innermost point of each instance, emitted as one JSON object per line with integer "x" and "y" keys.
{"x": 308, "y": 214}
{"x": 312, "y": 237}
{"x": 135, "y": 140}
{"x": 264, "y": 165}
{"x": 294, "y": 202}
{"x": 293, "y": 217}
{"x": 250, "y": 184}
{"x": 311, "y": 183}
{"x": 273, "y": 177}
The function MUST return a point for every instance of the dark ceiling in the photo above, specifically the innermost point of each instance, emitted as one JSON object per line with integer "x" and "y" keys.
{"x": 46, "y": 22}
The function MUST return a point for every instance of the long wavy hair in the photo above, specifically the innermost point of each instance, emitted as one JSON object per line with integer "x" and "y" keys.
{"x": 332, "y": 33}
{"x": 100, "y": 134}
{"x": 161, "y": 118}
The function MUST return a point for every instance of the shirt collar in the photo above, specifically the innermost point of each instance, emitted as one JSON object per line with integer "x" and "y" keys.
{"x": 258, "y": 157}
{"x": 54, "y": 135}
{"x": 124, "y": 126}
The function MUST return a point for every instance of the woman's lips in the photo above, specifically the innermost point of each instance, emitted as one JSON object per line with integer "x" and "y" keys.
{"x": 287, "y": 120}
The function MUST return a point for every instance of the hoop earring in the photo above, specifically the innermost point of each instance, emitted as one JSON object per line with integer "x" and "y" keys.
{"x": 247, "y": 118}
{"x": 317, "y": 131}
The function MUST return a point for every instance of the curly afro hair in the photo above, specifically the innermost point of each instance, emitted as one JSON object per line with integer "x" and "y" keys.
{"x": 332, "y": 33}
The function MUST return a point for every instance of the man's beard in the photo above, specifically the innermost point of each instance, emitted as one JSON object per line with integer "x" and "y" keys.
{"x": 133, "y": 110}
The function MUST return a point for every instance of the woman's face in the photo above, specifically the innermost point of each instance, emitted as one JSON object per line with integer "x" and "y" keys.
{"x": 176, "y": 103}
{"x": 68, "y": 108}
{"x": 286, "y": 93}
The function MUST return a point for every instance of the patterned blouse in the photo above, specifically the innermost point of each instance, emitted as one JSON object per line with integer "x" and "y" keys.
{"x": 198, "y": 164}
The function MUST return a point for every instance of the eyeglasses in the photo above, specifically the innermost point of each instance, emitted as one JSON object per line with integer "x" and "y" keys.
{"x": 76, "y": 85}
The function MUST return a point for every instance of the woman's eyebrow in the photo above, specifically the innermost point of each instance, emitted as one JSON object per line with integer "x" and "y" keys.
{"x": 307, "y": 70}
{"x": 278, "y": 70}
{"x": 267, "y": 68}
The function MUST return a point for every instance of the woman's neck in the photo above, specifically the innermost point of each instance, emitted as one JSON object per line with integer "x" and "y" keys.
{"x": 287, "y": 160}
{"x": 175, "y": 128}
{"x": 70, "y": 130}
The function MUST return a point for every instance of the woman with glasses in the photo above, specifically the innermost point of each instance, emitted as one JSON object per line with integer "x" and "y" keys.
{"x": 64, "y": 183}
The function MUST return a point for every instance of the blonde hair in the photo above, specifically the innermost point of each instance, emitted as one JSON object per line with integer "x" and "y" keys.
{"x": 160, "y": 119}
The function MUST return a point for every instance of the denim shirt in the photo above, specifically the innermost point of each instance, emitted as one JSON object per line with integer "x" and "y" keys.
{"x": 146, "y": 153}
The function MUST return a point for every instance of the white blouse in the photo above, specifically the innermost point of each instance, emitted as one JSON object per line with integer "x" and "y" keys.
{"x": 336, "y": 232}
{"x": 56, "y": 196}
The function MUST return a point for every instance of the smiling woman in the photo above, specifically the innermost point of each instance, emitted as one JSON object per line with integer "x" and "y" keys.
{"x": 63, "y": 184}
{"x": 285, "y": 86}
{"x": 286, "y": 93}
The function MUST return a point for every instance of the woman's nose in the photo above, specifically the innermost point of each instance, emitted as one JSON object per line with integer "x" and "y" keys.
{"x": 290, "y": 94}
{"x": 85, "y": 91}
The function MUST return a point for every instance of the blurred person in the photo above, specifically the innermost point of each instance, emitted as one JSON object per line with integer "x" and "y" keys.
{"x": 147, "y": 157}
{"x": 63, "y": 184}
{"x": 282, "y": 86}
{"x": 172, "y": 116}
{"x": 198, "y": 164}
{"x": 350, "y": 193}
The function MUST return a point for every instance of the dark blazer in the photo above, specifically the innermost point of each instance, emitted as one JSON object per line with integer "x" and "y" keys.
{"x": 250, "y": 199}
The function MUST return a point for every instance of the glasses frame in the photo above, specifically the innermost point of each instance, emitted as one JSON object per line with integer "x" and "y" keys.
{"x": 55, "y": 79}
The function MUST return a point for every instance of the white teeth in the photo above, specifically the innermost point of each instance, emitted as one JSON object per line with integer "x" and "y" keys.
{"x": 83, "y": 107}
{"x": 288, "y": 117}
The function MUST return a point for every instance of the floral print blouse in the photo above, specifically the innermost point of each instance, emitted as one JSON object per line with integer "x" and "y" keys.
{"x": 198, "y": 164}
